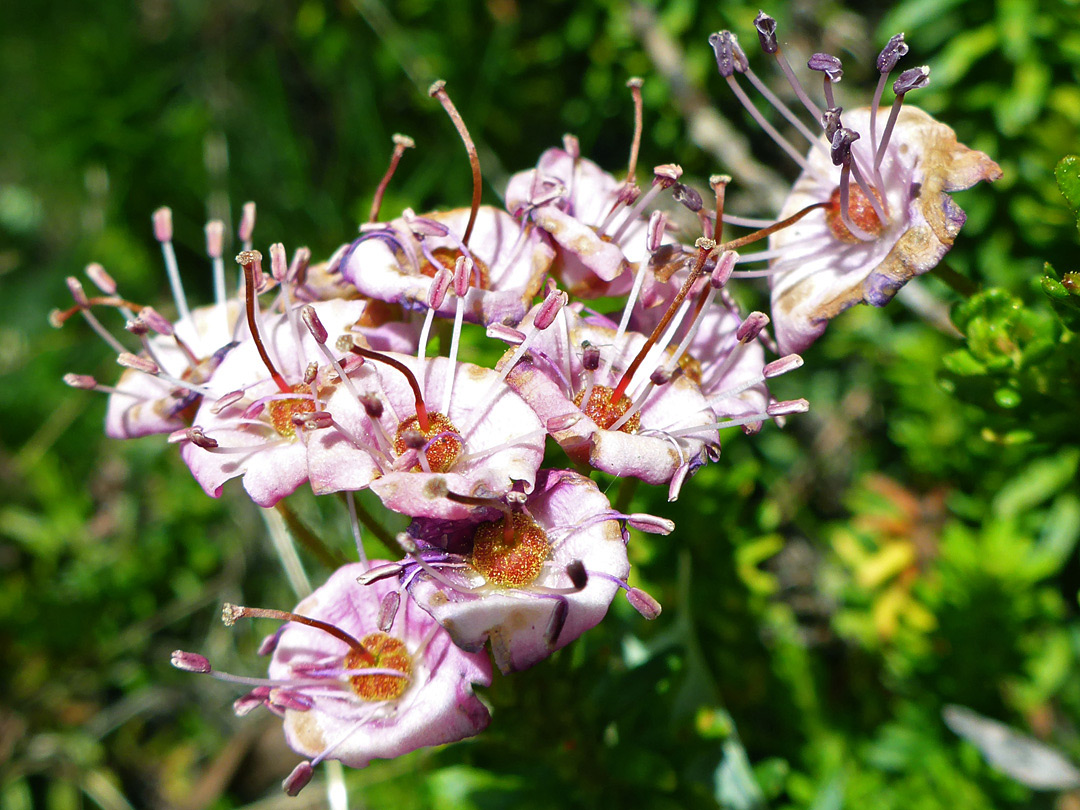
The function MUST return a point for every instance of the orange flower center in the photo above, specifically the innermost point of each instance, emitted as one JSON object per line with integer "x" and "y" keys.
{"x": 514, "y": 561}
{"x": 282, "y": 411}
{"x": 380, "y": 652}
{"x": 606, "y": 413}
{"x": 441, "y": 452}
{"x": 860, "y": 211}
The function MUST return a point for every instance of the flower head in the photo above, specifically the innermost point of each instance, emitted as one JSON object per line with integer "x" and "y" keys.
{"x": 529, "y": 582}
{"x": 880, "y": 179}
{"x": 355, "y": 681}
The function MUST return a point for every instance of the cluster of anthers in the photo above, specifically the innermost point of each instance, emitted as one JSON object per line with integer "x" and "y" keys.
{"x": 320, "y": 374}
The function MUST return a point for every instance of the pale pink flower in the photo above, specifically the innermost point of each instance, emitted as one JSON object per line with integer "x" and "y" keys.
{"x": 356, "y": 681}
{"x": 397, "y": 261}
{"x": 531, "y": 589}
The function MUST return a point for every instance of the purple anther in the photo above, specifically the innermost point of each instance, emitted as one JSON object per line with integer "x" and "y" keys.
{"x": 76, "y": 288}
{"x": 413, "y": 439}
{"x": 555, "y": 301}
{"x": 269, "y": 644}
{"x": 830, "y": 121}
{"x": 782, "y": 366}
{"x": 841, "y": 145}
{"x": 507, "y": 334}
{"x": 215, "y": 238}
{"x": 373, "y": 406}
{"x": 828, "y": 64}
{"x": 556, "y": 622}
{"x": 789, "y": 406}
{"x": 279, "y": 264}
{"x": 590, "y": 357}
{"x": 101, "y": 278}
{"x": 311, "y": 371}
{"x": 463, "y": 269}
{"x": 314, "y": 420}
{"x": 156, "y": 321}
{"x": 660, "y": 376}
{"x": 190, "y": 662}
{"x": 388, "y": 609}
{"x": 627, "y": 194}
{"x": 644, "y": 604}
{"x": 351, "y": 363}
{"x": 137, "y": 327}
{"x": 247, "y": 222}
{"x": 894, "y": 49}
{"x": 730, "y": 58}
{"x": 298, "y": 779}
{"x": 579, "y": 577}
{"x": 83, "y": 381}
{"x": 197, "y": 437}
{"x": 439, "y": 285}
{"x": 563, "y": 421}
{"x": 766, "y": 31}
{"x": 750, "y": 328}
{"x": 422, "y": 226}
{"x": 248, "y": 703}
{"x": 163, "y": 224}
{"x": 687, "y": 196}
{"x": 650, "y": 524}
{"x": 655, "y": 234}
{"x": 129, "y": 360}
{"x": 293, "y": 700}
{"x": 725, "y": 264}
{"x": 224, "y": 402}
{"x": 300, "y": 261}
{"x": 254, "y": 410}
{"x": 912, "y": 79}
{"x": 311, "y": 320}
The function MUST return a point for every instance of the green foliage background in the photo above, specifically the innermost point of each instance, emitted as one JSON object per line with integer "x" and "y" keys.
{"x": 908, "y": 544}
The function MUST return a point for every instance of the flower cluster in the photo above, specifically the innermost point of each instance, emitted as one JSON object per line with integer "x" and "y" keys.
{"x": 320, "y": 375}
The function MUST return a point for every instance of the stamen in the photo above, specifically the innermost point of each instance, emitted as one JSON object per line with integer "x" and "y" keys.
{"x": 163, "y": 232}
{"x": 909, "y": 80}
{"x": 643, "y": 603}
{"x": 635, "y": 90}
{"x": 388, "y": 607}
{"x": 298, "y": 779}
{"x": 704, "y": 247}
{"x": 773, "y": 411}
{"x": 247, "y": 225}
{"x": 230, "y": 613}
{"x": 463, "y": 267}
{"x": 438, "y": 90}
{"x": 766, "y": 28}
{"x": 250, "y": 260}
{"x": 719, "y": 183}
{"x": 215, "y": 241}
{"x": 746, "y": 222}
{"x": 545, "y": 316}
{"x": 401, "y": 143}
{"x": 730, "y": 59}
{"x": 665, "y": 177}
{"x": 557, "y": 621}
{"x": 421, "y": 409}
{"x": 832, "y": 71}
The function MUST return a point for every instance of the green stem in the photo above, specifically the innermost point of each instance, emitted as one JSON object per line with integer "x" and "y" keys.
{"x": 960, "y": 284}
{"x": 308, "y": 539}
{"x": 373, "y": 526}
{"x": 627, "y": 488}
